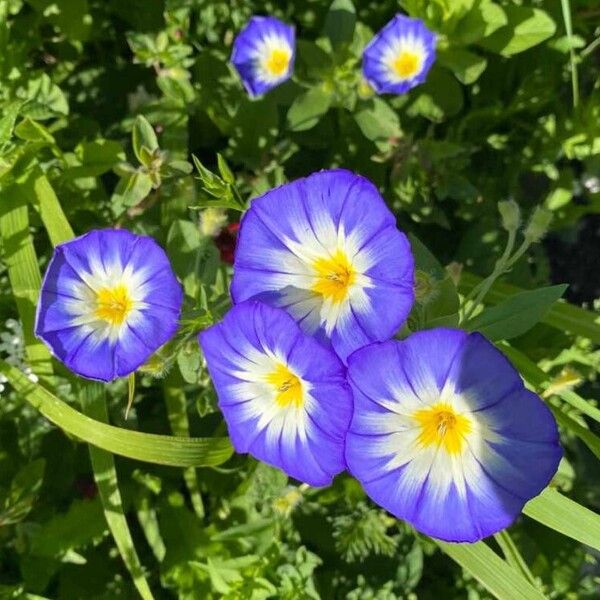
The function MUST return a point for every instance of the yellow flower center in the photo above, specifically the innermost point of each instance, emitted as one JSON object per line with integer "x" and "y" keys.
{"x": 113, "y": 304}
{"x": 287, "y": 386}
{"x": 406, "y": 64}
{"x": 277, "y": 62}
{"x": 335, "y": 274}
{"x": 442, "y": 426}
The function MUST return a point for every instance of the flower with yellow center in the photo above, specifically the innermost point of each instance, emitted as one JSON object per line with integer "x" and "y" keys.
{"x": 277, "y": 61}
{"x": 335, "y": 276}
{"x": 441, "y": 426}
{"x": 283, "y": 395}
{"x": 406, "y": 64}
{"x": 113, "y": 304}
{"x": 287, "y": 387}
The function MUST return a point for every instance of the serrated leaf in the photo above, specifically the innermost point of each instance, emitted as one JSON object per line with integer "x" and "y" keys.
{"x": 517, "y": 314}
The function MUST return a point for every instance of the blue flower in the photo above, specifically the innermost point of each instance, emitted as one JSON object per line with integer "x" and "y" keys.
{"x": 399, "y": 57}
{"x": 284, "y": 397}
{"x": 445, "y": 436}
{"x": 108, "y": 301}
{"x": 263, "y": 54}
{"x": 326, "y": 248}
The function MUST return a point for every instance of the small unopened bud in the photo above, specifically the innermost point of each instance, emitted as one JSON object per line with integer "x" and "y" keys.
{"x": 510, "y": 213}
{"x": 212, "y": 220}
{"x": 538, "y": 224}
{"x": 365, "y": 91}
{"x": 426, "y": 287}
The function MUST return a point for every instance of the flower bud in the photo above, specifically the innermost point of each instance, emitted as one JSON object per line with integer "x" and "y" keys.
{"x": 510, "y": 213}
{"x": 538, "y": 224}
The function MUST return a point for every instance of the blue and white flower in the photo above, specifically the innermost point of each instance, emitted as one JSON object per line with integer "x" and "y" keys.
{"x": 284, "y": 396}
{"x": 445, "y": 436}
{"x": 399, "y": 56}
{"x": 263, "y": 54}
{"x": 109, "y": 300}
{"x": 326, "y": 248}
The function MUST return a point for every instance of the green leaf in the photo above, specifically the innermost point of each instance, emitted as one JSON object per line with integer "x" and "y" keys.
{"x": 23, "y": 271}
{"x": 45, "y": 200}
{"x": 527, "y": 27}
{"x": 562, "y": 316}
{"x": 561, "y": 514}
{"x": 480, "y": 22}
{"x": 32, "y": 131}
{"x": 7, "y": 122}
{"x": 23, "y": 492}
{"x": 143, "y": 136}
{"x": 46, "y": 99}
{"x": 466, "y": 66}
{"x": 438, "y": 98}
{"x": 96, "y": 158}
{"x": 377, "y": 120}
{"x": 93, "y": 403}
{"x": 340, "y": 22}
{"x": 517, "y": 314}
{"x": 132, "y": 189}
{"x": 308, "y": 108}
{"x": 501, "y": 580}
{"x": 436, "y": 293}
{"x": 176, "y": 404}
{"x": 159, "y": 449}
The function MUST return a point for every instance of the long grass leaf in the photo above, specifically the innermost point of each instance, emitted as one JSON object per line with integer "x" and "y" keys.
{"x": 159, "y": 449}
{"x": 497, "y": 576}
{"x": 93, "y": 404}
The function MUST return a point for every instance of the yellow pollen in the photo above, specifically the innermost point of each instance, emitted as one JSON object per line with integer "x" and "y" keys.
{"x": 442, "y": 426}
{"x": 335, "y": 276}
{"x": 277, "y": 62}
{"x": 113, "y": 304}
{"x": 287, "y": 387}
{"x": 406, "y": 64}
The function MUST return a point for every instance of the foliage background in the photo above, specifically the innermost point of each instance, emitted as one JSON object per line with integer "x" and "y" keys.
{"x": 510, "y": 110}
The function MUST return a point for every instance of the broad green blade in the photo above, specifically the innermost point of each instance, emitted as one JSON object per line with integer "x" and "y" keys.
{"x": 42, "y": 196}
{"x": 93, "y": 403}
{"x": 23, "y": 271}
{"x": 178, "y": 419}
{"x": 565, "y": 516}
{"x": 497, "y": 576}
{"x": 159, "y": 449}
{"x": 562, "y": 315}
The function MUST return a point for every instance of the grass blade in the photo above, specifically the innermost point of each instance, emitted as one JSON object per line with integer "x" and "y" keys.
{"x": 44, "y": 199}
{"x": 94, "y": 406}
{"x": 23, "y": 271}
{"x": 148, "y": 447}
{"x": 497, "y": 576}
{"x": 566, "y": 516}
{"x": 178, "y": 419}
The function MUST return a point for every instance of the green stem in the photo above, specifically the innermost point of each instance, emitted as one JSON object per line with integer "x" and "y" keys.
{"x": 478, "y": 293}
{"x": 513, "y": 556}
{"x": 566, "y": 11}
